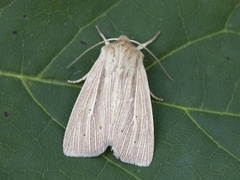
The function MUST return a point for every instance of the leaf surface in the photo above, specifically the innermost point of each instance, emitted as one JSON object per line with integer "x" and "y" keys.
{"x": 197, "y": 125}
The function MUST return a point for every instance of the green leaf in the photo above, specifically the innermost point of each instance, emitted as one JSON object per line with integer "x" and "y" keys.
{"x": 197, "y": 126}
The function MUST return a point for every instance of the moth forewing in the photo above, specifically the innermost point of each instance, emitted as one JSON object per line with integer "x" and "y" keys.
{"x": 134, "y": 138}
{"x": 113, "y": 107}
{"x": 84, "y": 136}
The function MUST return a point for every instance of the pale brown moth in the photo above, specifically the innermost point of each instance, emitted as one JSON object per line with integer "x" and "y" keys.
{"x": 114, "y": 106}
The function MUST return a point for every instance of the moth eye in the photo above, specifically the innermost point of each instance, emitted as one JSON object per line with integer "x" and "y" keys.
{"x": 100, "y": 127}
{"x": 135, "y": 142}
{"x": 121, "y": 130}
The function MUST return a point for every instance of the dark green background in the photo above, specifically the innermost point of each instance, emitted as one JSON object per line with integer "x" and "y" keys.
{"x": 197, "y": 127}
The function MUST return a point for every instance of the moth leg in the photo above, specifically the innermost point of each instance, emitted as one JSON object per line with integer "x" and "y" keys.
{"x": 142, "y": 46}
{"x": 79, "y": 80}
{"x": 155, "y": 97}
{"x": 101, "y": 34}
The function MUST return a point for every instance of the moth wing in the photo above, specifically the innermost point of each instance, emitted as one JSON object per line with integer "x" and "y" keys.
{"x": 86, "y": 132}
{"x": 133, "y": 132}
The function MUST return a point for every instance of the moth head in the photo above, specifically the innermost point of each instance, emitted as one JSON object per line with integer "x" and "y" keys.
{"x": 124, "y": 40}
{"x": 123, "y": 37}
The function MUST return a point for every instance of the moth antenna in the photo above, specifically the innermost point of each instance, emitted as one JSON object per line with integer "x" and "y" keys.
{"x": 164, "y": 70}
{"x": 140, "y": 46}
{"x": 104, "y": 41}
{"x": 143, "y": 46}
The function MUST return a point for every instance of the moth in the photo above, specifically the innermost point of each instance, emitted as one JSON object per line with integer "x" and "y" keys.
{"x": 114, "y": 106}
